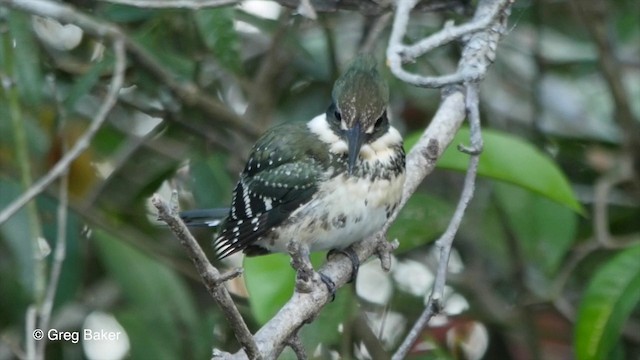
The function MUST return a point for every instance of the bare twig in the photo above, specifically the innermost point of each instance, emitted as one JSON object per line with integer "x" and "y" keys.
{"x": 60, "y": 250}
{"x": 372, "y": 37}
{"x": 489, "y": 18}
{"x": 478, "y": 53}
{"x": 211, "y": 277}
{"x": 83, "y": 142}
{"x": 173, "y": 4}
{"x": 445, "y": 242}
{"x": 296, "y": 345}
{"x": 23, "y": 162}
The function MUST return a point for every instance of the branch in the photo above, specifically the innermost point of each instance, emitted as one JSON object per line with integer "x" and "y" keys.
{"x": 489, "y": 19}
{"x": 186, "y": 91}
{"x": 479, "y": 51}
{"x": 83, "y": 142}
{"x": 173, "y": 4}
{"x": 211, "y": 277}
{"x": 445, "y": 242}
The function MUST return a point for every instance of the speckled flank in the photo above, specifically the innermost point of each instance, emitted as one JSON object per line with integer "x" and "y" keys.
{"x": 323, "y": 223}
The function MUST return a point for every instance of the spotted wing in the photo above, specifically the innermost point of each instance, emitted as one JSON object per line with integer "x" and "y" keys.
{"x": 276, "y": 181}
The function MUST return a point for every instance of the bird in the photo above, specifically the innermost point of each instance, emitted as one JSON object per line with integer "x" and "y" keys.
{"x": 318, "y": 185}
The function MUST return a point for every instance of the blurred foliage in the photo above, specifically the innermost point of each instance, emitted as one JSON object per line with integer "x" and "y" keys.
{"x": 531, "y": 269}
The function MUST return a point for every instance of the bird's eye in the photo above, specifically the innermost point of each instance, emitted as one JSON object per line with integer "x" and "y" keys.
{"x": 379, "y": 121}
{"x": 337, "y": 115}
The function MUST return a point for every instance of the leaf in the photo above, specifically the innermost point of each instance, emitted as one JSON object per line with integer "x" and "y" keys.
{"x": 545, "y": 229}
{"x": 606, "y": 304}
{"x": 211, "y": 180}
{"x": 421, "y": 221}
{"x": 512, "y": 160}
{"x": 270, "y": 281}
{"x": 158, "y": 294}
{"x": 217, "y": 30}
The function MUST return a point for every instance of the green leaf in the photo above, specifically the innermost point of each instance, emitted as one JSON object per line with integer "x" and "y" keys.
{"x": 606, "y": 304}
{"x": 211, "y": 179}
{"x": 512, "y": 160}
{"x": 544, "y": 228}
{"x": 157, "y": 293}
{"x": 270, "y": 281}
{"x": 26, "y": 60}
{"x": 217, "y": 30}
{"x": 421, "y": 221}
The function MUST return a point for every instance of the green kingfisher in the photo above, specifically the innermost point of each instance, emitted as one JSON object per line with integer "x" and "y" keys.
{"x": 320, "y": 185}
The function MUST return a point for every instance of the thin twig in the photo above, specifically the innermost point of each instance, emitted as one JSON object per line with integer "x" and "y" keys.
{"x": 487, "y": 17}
{"x": 187, "y": 91}
{"x": 619, "y": 174}
{"x": 372, "y": 37}
{"x": 445, "y": 242}
{"x": 271, "y": 338}
{"x": 174, "y": 4}
{"x": 477, "y": 55}
{"x": 211, "y": 277}
{"x": 60, "y": 250}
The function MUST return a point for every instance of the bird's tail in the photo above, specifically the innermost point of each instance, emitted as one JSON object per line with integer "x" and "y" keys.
{"x": 204, "y": 217}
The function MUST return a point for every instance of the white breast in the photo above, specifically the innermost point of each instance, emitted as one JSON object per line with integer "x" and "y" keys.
{"x": 344, "y": 211}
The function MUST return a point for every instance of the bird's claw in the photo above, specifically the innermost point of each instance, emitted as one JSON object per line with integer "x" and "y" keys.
{"x": 331, "y": 286}
{"x": 304, "y": 281}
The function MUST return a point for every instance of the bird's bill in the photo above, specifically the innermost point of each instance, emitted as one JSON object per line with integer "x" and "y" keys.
{"x": 355, "y": 138}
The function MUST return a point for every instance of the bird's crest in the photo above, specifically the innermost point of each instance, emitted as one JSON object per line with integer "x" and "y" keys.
{"x": 361, "y": 93}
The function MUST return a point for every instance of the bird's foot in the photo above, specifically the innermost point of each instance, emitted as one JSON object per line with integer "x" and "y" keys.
{"x": 302, "y": 265}
{"x": 384, "y": 249}
{"x": 331, "y": 286}
{"x": 305, "y": 275}
{"x": 351, "y": 254}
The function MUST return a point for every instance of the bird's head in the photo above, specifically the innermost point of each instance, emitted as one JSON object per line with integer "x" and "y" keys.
{"x": 358, "y": 111}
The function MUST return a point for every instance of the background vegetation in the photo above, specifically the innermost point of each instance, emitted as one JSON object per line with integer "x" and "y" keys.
{"x": 547, "y": 262}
